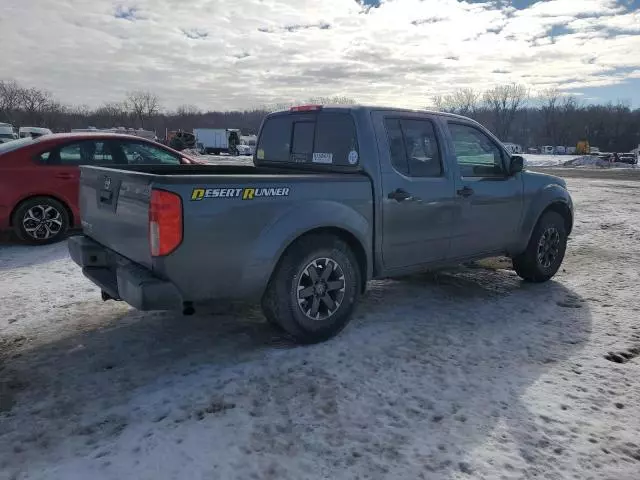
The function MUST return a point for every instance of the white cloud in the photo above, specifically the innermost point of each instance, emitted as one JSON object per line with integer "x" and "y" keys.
{"x": 245, "y": 53}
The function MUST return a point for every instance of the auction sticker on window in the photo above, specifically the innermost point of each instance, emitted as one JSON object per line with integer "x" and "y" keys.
{"x": 353, "y": 157}
{"x": 323, "y": 158}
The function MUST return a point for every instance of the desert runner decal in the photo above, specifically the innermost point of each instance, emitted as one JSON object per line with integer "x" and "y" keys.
{"x": 247, "y": 193}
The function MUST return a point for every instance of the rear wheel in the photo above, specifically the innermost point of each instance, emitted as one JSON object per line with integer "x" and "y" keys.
{"x": 41, "y": 220}
{"x": 545, "y": 251}
{"x": 314, "y": 290}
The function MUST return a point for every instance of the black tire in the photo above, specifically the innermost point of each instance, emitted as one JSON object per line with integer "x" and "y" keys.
{"x": 536, "y": 264}
{"x": 284, "y": 306}
{"x": 48, "y": 216}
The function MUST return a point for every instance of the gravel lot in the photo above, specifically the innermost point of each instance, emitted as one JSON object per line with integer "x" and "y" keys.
{"x": 466, "y": 374}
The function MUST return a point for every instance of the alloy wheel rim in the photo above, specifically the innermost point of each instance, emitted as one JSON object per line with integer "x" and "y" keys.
{"x": 320, "y": 289}
{"x": 42, "y": 222}
{"x": 548, "y": 247}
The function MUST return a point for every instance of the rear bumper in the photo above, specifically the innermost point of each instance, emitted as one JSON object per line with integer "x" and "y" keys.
{"x": 123, "y": 279}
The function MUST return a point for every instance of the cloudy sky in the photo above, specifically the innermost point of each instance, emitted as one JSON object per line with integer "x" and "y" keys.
{"x": 228, "y": 54}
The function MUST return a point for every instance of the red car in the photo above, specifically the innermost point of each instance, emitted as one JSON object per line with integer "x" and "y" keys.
{"x": 39, "y": 178}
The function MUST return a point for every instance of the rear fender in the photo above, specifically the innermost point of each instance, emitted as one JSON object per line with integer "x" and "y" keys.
{"x": 294, "y": 223}
{"x": 551, "y": 196}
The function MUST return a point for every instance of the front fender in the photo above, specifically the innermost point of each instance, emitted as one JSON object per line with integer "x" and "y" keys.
{"x": 540, "y": 201}
{"x": 295, "y": 222}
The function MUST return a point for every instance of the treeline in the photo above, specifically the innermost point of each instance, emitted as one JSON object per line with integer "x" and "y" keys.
{"x": 550, "y": 118}
{"x": 513, "y": 114}
{"x": 28, "y": 106}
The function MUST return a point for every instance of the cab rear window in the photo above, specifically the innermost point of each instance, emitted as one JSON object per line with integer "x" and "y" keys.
{"x": 324, "y": 138}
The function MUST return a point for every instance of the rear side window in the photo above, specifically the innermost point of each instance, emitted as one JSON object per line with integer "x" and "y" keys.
{"x": 87, "y": 152}
{"x": 326, "y": 138}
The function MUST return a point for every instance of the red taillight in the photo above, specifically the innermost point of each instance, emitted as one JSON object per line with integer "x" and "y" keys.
{"x": 306, "y": 108}
{"x": 165, "y": 222}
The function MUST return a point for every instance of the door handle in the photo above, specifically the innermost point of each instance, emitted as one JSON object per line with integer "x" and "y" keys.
{"x": 399, "y": 195}
{"x": 64, "y": 176}
{"x": 465, "y": 192}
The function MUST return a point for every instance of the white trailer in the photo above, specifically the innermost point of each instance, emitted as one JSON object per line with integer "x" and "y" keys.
{"x": 212, "y": 140}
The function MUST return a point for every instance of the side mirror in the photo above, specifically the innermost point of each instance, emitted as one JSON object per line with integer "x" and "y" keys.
{"x": 516, "y": 164}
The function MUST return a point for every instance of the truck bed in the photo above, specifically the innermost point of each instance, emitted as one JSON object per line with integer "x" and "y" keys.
{"x": 236, "y": 219}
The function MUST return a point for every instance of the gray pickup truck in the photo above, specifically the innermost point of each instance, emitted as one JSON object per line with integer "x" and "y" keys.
{"x": 336, "y": 196}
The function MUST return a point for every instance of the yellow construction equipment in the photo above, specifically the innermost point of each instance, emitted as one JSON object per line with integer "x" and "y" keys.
{"x": 583, "y": 147}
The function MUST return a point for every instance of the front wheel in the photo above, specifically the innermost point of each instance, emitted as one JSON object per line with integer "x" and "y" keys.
{"x": 41, "y": 220}
{"x": 545, "y": 251}
{"x": 314, "y": 290}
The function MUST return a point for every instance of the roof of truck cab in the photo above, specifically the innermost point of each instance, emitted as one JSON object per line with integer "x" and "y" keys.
{"x": 372, "y": 108}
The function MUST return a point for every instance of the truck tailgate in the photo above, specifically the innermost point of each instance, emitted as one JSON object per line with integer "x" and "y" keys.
{"x": 114, "y": 205}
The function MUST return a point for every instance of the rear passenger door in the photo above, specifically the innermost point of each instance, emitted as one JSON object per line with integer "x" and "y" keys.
{"x": 417, "y": 190}
{"x": 59, "y": 166}
{"x": 490, "y": 199}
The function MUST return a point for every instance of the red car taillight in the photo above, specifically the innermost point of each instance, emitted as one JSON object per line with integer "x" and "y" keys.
{"x": 165, "y": 222}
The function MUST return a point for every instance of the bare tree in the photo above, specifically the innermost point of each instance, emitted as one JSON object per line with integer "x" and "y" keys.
{"x": 550, "y": 108}
{"x": 337, "y": 100}
{"x": 10, "y": 99}
{"x": 504, "y": 102}
{"x": 187, "y": 110}
{"x": 464, "y": 101}
{"x": 143, "y": 105}
{"x": 35, "y": 102}
{"x": 113, "y": 114}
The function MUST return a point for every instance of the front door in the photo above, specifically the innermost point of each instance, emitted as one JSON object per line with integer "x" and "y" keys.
{"x": 490, "y": 199}
{"x": 417, "y": 191}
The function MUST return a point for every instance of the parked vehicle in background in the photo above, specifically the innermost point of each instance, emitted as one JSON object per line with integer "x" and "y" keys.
{"x": 630, "y": 158}
{"x": 7, "y": 133}
{"x": 571, "y": 150}
{"x": 180, "y": 140}
{"x": 33, "y": 132}
{"x": 39, "y": 178}
{"x": 250, "y": 141}
{"x": 594, "y": 150}
{"x": 337, "y": 196}
{"x": 547, "y": 150}
{"x": 214, "y": 141}
{"x": 244, "y": 150}
{"x": 513, "y": 148}
{"x": 211, "y": 140}
{"x": 560, "y": 150}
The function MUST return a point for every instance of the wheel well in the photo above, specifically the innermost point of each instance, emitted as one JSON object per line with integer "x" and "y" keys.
{"x": 350, "y": 240}
{"x": 62, "y": 202}
{"x": 563, "y": 210}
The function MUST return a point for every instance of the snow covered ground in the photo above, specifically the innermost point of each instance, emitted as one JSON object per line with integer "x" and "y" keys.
{"x": 470, "y": 374}
{"x": 547, "y": 160}
{"x": 569, "y": 161}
